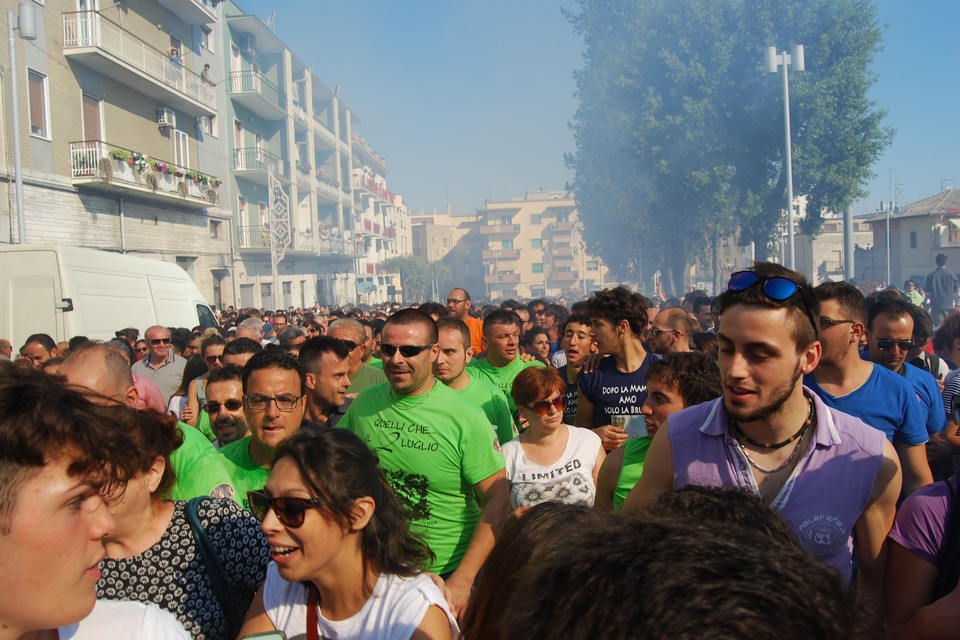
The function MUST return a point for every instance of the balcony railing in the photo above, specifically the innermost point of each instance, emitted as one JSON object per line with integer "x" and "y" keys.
{"x": 257, "y": 160}
{"x": 257, "y": 93}
{"x": 364, "y": 181}
{"x": 91, "y": 30}
{"x": 500, "y": 229}
{"x": 107, "y": 166}
{"x": 254, "y": 237}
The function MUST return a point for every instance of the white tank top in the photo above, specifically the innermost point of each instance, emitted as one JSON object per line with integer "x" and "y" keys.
{"x": 568, "y": 480}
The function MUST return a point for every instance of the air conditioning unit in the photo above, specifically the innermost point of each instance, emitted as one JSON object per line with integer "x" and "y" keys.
{"x": 166, "y": 118}
{"x": 248, "y": 43}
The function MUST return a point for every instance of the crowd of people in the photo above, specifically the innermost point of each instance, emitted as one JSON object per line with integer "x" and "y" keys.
{"x": 780, "y": 460}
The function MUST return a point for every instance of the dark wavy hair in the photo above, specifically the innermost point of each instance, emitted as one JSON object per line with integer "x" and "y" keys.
{"x": 337, "y": 469}
{"x": 619, "y": 303}
{"x": 151, "y": 435}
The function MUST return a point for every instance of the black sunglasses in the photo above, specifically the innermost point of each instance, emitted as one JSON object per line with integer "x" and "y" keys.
{"x": 349, "y": 344}
{"x": 289, "y": 511}
{"x": 826, "y": 323}
{"x": 160, "y": 341}
{"x": 231, "y": 405}
{"x": 406, "y": 350}
{"x": 655, "y": 331}
{"x": 542, "y": 407}
{"x": 885, "y": 344}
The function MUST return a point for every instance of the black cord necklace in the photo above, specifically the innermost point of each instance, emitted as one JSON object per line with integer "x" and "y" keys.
{"x": 778, "y": 445}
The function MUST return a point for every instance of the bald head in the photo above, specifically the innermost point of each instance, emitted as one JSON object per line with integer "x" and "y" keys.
{"x": 101, "y": 369}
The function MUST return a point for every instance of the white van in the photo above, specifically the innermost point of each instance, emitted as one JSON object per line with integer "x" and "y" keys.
{"x": 68, "y": 291}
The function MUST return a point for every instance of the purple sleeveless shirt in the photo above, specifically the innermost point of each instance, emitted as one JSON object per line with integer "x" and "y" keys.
{"x": 827, "y": 491}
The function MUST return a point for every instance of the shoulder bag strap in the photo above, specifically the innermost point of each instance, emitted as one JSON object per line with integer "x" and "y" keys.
{"x": 218, "y": 577}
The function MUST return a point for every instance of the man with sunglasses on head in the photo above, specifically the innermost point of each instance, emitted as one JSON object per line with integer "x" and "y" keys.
{"x": 223, "y": 405}
{"x": 354, "y": 336}
{"x": 161, "y": 365}
{"x": 879, "y": 397}
{"x": 274, "y": 385}
{"x": 890, "y": 338}
{"x": 827, "y": 474}
{"x": 438, "y": 452}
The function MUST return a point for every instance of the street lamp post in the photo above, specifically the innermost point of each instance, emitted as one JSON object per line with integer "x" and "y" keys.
{"x": 26, "y": 22}
{"x": 784, "y": 59}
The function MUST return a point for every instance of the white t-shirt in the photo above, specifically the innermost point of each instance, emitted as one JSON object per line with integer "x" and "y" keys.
{"x": 119, "y": 620}
{"x": 568, "y": 480}
{"x": 394, "y": 611}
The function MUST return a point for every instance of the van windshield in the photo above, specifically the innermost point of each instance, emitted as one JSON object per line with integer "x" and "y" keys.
{"x": 206, "y": 316}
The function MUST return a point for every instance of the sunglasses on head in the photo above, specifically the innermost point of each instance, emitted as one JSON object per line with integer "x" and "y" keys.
{"x": 885, "y": 344}
{"x": 776, "y": 288}
{"x": 406, "y": 350}
{"x": 289, "y": 511}
{"x": 542, "y": 407}
{"x": 231, "y": 405}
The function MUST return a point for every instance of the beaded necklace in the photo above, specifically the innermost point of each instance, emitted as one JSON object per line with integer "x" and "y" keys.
{"x": 777, "y": 445}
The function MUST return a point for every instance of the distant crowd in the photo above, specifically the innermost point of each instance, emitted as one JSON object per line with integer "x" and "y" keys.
{"x": 779, "y": 460}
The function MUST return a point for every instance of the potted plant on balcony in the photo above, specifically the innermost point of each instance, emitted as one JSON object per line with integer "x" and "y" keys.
{"x": 140, "y": 162}
{"x": 120, "y": 154}
{"x": 179, "y": 173}
{"x": 193, "y": 175}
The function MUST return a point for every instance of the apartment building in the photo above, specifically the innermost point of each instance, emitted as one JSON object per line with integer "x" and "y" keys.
{"x": 454, "y": 240}
{"x": 112, "y": 157}
{"x": 532, "y": 247}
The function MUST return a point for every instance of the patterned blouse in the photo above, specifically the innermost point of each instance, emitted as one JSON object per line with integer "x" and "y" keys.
{"x": 172, "y": 574}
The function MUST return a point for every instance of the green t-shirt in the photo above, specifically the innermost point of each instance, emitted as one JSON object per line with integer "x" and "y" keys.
{"x": 376, "y": 363}
{"x": 634, "y": 454}
{"x": 247, "y": 474}
{"x": 433, "y": 449}
{"x": 366, "y": 376}
{"x": 200, "y": 471}
{"x": 203, "y": 426}
{"x": 494, "y": 404}
{"x": 502, "y": 377}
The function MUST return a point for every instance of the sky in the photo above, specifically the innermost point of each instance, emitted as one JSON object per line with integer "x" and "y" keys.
{"x": 472, "y": 100}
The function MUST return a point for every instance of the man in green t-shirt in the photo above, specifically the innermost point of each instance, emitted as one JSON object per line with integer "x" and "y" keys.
{"x": 501, "y": 335}
{"x": 439, "y": 456}
{"x": 353, "y": 334}
{"x": 451, "y": 369}
{"x": 274, "y": 384}
{"x": 199, "y": 470}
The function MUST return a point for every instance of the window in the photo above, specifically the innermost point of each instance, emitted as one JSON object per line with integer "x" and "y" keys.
{"x": 913, "y": 239}
{"x": 206, "y": 38}
{"x": 536, "y": 243}
{"x": 39, "y": 104}
{"x": 215, "y": 228}
{"x": 563, "y": 216}
{"x": 208, "y": 124}
{"x": 506, "y": 244}
{"x": 537, "y": 267}
{"x": 92, "y": 127}
{"x": 592, "y": 265}
{"x": 181, "y": 148}
{"x": 536, "y": 218}
{"x": 505, "y": 220}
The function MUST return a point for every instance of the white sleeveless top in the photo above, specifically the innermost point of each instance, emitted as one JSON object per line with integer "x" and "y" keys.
{"x": 568, "y": 480}
{"x": 393, "y": 612}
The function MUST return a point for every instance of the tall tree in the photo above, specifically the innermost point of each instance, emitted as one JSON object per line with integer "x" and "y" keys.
{"x": 679, "y": 134}
{"x": 421, "y": 280}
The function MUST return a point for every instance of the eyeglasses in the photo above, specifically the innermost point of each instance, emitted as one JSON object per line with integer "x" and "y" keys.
{"x": 289, "y": 511}
{"x": 214, "y": 407}
{"x": 350, "y": 344}
{"x": 655, "y": 331}
{"x": 538, "y": 312}
{"x": 884, "y": 344}
{"x": 542, "y": 407}
{"x": 212, "y": 359}
{"x": 157, "y": 341}
{"x": 406, "y": 350}
{"x": 454, "y": 301}
{"x": 776, "y": 288}
{"x": 142, "y": 349}
{"x": 285, "y": 402}
{"x": 826, "y": 323}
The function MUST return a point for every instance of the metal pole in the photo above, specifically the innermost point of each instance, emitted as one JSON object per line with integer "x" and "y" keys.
{"x": 888, "y": 246}
{"x": 786, "y": 120}
{"x": 848, "y": 250}
{"x": 15, "y": 96}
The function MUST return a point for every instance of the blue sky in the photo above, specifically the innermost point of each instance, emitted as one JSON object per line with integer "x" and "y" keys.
{"x": 469, "y": 100}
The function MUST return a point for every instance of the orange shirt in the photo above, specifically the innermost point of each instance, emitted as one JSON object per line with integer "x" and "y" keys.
{"x": 476, "y": 333}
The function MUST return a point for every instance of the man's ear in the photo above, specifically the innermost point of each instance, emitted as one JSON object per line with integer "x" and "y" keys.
{"x": 363, "y": 509}
{"x": 469, "y": 353}
{"x": 311, "y": 380}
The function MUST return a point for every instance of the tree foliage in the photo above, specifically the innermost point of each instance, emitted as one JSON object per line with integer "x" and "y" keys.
{"x": 679, "y": 133}
{"x": 420, "y": 279}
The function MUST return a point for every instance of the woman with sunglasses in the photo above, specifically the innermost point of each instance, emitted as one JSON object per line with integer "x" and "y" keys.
{"x": 345, "y": 564}
{"x": 152, "y": 554}
{"x": 550, "y": 460}
{"x": 141, "y": 349}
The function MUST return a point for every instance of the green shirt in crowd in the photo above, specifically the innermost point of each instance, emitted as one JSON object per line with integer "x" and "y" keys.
{"x": 494, "y": 404}
{"x": 502, "y": 377}
{"x": 200, "y": 470}
{"x": 366, "y": 376}
{"x": 376, "y": 363}
{"x": 433, "y": 448}
{"x": 247, "y": 474}
{"x": 634, "y": 455}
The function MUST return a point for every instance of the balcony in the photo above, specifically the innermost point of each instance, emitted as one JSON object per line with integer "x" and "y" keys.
{"x": 322, "y": 131}
{"x": 299, "y": 114}
{"x": 99, "y": 43}
{"x": 328, "y": 187}
{"x": 367, "y": 183}
{"x": 502, "y": 230}
{"x": 255, "y": 165}
{"x": 106, "y": 168}
{"x": 502, "y": 278}
{"x": 501, "y": 254}
{"x": 302, "y": 241}
{"x": 337, "y": 247}
{"x": 561, "y": 251}
{"x": 367, "y": 152}
{"x": 563, "y": 275}
{"x": 191, "y": 11}
{"x": 255, "y": 92}
{"x": 304, "y": 182}
{"x": 253, "y": 237}
{"x": 558, "y": 228}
